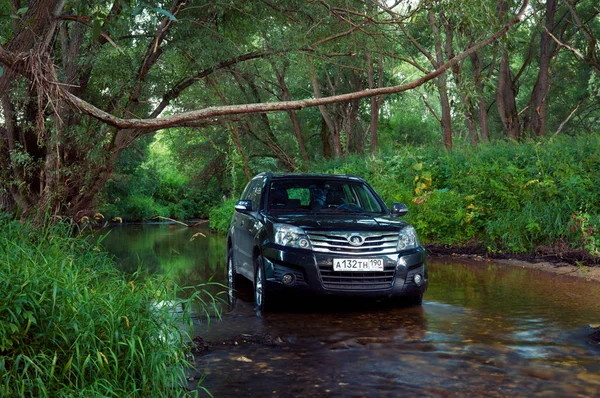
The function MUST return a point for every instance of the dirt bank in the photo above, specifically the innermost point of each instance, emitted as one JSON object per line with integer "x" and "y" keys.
{"x": 572, "y": 264}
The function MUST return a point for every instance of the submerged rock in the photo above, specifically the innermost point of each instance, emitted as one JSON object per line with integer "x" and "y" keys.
{"x": 594, "y": 338}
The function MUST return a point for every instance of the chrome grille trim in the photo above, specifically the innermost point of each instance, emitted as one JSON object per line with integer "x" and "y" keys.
{"x": 357, "y": 281}
{"x": 336, "y": 242}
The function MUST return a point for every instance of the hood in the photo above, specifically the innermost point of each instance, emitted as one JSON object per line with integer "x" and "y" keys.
{"x": 340, "y": 222}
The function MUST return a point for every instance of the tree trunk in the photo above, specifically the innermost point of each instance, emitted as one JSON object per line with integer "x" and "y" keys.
{"x": 482, "y": 114}
{"x": 333, "y": 130}
{"x": 442, "y": 85}
{"x": 286, "y": 96}
{"x": 457, "y": 72}
{"x": 505, "y": 99}
{"x": 535, "y": 119}
{"x": 238, "y": 145}
{"x": 375, "y": 101}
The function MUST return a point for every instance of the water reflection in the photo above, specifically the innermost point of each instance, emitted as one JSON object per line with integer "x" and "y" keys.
{"x": 182, "y": 254}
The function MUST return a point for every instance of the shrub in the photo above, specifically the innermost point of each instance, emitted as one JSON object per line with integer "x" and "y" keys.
{"x": 220, "y": 216}
{"x": 507, "y": 197}
{"x": 72, "y": 325}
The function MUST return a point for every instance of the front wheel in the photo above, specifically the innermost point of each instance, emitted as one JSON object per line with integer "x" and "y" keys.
{"x": 259, "y": 286}
{"x": 415, "y": 301}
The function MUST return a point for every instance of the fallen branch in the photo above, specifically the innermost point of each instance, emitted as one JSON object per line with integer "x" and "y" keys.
{"x": 182, "y": 223}
{"x": 170, "y": 219}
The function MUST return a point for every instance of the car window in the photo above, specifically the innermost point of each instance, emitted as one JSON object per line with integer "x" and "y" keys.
{"x": 301, "y": 194}
{"x": 253, "y": 192}
{"x": 321, "y": 195}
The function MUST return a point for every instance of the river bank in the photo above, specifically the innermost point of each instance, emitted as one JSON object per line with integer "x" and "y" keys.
{"x": 571, "y": 263}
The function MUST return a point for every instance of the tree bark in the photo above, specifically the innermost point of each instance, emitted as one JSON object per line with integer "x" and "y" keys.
{"x": 505, "y": 100}
{"x": 333, "y": 130}
{"x": 505, "y": 93}
{"x": 482, "y": 113}
{"x": 535, "y": 119}
{"x": 442, "y": 84}
{"x": 375, "y": 101}
{"x": 457, "y": 72}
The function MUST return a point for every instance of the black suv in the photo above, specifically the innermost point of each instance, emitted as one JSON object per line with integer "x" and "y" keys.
{"x": 322, "y": 235}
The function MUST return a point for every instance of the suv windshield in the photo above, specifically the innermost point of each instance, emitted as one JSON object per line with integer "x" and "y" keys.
{"x": 315, "y": 196}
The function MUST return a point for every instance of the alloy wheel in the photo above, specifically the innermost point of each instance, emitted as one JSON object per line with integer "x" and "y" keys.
{"x": 231, "y": 294}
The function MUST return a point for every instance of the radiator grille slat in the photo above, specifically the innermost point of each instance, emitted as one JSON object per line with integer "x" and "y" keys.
{"x": 338, "y": 242}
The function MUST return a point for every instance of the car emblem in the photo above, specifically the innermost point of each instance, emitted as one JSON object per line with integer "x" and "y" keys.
{"x": 356, "y": 240}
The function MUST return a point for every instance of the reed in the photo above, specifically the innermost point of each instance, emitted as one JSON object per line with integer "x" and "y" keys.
{"x": 71, "y": 324}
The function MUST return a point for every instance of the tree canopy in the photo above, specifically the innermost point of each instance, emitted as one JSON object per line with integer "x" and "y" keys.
{"x": 243, "y": 83}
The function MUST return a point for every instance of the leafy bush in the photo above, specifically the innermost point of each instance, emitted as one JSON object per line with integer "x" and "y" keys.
{"x": 145, "y": 187}
{"x": 72, "y": 325}
{"x": 504, "y": 196}
{"x": 220, "y": 216}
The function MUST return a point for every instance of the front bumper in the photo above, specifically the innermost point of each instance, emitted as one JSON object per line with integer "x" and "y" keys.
{"x": 312, "y": 274}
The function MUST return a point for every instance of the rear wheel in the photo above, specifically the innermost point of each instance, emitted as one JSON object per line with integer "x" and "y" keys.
{"x": 259, "y": 286}
{"x": 231, "y": 276}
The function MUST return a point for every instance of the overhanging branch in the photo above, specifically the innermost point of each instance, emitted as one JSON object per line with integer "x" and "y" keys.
{"x": 212, "y": 113}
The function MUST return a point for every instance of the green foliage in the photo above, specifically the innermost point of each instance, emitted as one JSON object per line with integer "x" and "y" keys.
{"x": 506, "y": 197}
{"x": 220, "y": 216}
{"x": 74, "y": 326}
{"x": 152, "y": 186}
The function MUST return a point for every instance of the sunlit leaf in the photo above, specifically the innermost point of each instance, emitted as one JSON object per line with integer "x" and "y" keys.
{"x": 96, "y": 29}
{"x": 165, "y": 13}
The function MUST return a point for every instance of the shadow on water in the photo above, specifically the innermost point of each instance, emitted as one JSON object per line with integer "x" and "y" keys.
{"x": 483, "y": 330}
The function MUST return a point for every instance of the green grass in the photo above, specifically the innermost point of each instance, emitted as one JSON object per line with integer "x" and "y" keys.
{"x": 72, "y": 325}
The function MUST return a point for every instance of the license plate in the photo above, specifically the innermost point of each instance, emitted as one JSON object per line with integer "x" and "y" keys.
{"x": 358, "y": 264}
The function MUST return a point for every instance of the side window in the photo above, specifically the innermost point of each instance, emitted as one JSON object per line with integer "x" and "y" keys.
{"x": 253, "y": 193}
{"x": 246, "y": 190}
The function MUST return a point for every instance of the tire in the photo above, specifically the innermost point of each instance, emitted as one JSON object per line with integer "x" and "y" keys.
{"x": 231, "y": 277}
{"x": 260, "y": 297}
{"x": 415, "y": 301}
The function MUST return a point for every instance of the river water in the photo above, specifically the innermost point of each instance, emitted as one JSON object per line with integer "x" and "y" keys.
{"x": 483, "y": 330}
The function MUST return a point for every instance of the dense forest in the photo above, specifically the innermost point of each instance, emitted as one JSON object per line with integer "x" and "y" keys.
{"x": 481, "y": 116}
{"x": 142, "y": 109}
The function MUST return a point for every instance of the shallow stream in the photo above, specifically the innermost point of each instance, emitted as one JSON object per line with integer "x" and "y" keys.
{"x": 483, "y": 330}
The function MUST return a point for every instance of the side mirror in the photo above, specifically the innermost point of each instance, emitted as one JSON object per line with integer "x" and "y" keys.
{"x": 243, "y": 206}
{"x": 399, "y": 210}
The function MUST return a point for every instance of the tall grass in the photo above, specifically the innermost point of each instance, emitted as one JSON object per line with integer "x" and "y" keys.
{"x": 71, "y": 324}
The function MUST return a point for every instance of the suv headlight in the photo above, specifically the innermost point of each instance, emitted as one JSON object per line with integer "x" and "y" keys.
{"x": 407, "y": 239}
{"x": 292, "y": 236}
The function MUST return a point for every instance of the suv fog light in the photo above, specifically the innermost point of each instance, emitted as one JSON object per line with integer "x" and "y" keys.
{"x": 418, "y": 279}
{"x": 303, "y": 243}
{"x": 288, "y": 279}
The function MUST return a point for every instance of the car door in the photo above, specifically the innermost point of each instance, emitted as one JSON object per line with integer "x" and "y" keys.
{"x": 245, "y": 224}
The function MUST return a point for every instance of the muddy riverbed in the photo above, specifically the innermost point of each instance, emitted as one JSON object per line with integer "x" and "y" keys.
{"x": 484, "y": 329}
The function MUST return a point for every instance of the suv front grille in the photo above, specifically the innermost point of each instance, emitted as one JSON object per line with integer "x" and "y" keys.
{"x": 338, "y": 242}
{"x": 357, "y": 280}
